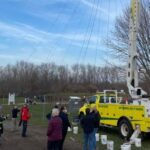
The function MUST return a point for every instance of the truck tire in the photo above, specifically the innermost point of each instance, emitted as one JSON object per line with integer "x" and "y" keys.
{"x": 125, "y": 129}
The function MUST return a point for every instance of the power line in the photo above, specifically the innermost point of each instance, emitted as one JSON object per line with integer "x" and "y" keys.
{"x": 98, "y": 39}
{"x": 66, "y": 25}
{"x": 86, "y": 32}
{"x": 52, "y": 27}
{"x": 92, "y": 27}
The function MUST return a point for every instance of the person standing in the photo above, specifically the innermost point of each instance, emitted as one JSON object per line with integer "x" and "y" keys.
{"x": 15, "y": 112}
{"x": 25, "y": 116}
{"x": 96, "y": 116}
{"x": 65, "y": 121}
{"x": 87, "y": 123}
{"x": 54, "y": 131}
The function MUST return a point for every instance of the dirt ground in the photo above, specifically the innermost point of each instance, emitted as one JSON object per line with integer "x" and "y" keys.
{"x": 36, "y": 140}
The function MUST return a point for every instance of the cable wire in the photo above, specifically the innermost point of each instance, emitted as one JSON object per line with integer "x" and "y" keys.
{"x": 91, "y": 32}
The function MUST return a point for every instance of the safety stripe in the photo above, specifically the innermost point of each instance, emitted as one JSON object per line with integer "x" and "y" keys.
{"x": 107, "y": 118}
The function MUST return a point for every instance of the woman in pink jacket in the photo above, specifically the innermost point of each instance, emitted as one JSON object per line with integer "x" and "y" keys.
{"x": 54, "y": 131}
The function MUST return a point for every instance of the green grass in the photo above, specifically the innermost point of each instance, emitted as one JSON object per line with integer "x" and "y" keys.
{"x": 38, "y": 113}
{"x": 38, "y": 118}
{"x": 18, "y": 100}
{"x": 112, "y": 135}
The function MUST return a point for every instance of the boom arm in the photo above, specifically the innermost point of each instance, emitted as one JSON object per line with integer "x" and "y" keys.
{"x": 132, "y": 76}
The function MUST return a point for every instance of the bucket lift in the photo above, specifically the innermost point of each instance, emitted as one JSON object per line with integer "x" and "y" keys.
{"x": 135, "y": 91}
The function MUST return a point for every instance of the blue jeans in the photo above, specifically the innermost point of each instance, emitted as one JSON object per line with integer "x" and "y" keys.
{"x": 94, "y": 139}
{"x": 24, "y": 128}
{"x": 88, "y": 141}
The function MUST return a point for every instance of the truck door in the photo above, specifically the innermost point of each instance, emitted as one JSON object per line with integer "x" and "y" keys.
{"x": 103, "y": 109}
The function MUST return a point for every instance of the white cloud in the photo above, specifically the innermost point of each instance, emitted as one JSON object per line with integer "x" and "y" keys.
{"x": 34, "y": 35}
{"x": 104, "y": 13}
{"x": 91, "y": 5}
{"x": 4, "y": 56}
{"x": 43, "y": 44}
{"x": 20, "y": 32}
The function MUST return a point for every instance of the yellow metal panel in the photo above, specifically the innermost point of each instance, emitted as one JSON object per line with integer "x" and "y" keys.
{"x": 111, "y": 113}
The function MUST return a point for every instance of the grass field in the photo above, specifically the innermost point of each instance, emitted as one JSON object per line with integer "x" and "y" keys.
{"x": 112, "y": 134}
{"x": 38, "y": 118}
{"x": 38, "y": 113}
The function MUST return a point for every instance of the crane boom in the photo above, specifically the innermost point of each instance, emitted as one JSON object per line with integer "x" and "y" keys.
{"x": 132, "y": 76}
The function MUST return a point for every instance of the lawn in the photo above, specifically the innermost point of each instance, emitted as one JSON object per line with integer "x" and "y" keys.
{"x": 112, "y": 134}
{"x": 38, "y": 113}
{"x": 38, "y": 118}
{"x": 17, "y": 99}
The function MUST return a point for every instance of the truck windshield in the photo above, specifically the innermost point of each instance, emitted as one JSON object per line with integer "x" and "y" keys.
{"x": 92, "y": 99}
{"x": 109, "y": 99}
{"x": 101, "y": 100}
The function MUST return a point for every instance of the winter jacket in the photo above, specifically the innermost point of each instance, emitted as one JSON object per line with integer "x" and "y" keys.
{"x": 65, "y": 122}
{"x": 15, "y": 112}
{"x": 96, "y": 118}
{"x": 25, "y": 115}
{"x": 88, "y": 123}
{"x": 54, "y": 131}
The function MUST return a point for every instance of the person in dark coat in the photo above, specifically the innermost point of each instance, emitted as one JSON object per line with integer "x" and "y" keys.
{"x": 96, "y": 116}
{"x": 87, "y": 123}
{"x": 54, "y": 131}
{"x": 15, "y": 112}
{"x": 64, "y": 116}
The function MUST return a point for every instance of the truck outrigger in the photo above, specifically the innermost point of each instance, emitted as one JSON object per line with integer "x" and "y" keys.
{"x": 128, "y": 116}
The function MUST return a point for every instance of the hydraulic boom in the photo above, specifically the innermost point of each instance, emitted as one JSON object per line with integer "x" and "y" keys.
{"x": 135, "y": 91}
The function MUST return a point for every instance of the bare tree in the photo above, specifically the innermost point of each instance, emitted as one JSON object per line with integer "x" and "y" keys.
{"x": 27, "y": 79}
{"x": 119, "y": 39}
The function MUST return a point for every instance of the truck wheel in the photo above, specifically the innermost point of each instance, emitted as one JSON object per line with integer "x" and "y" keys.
{"x": 125, "y": 129}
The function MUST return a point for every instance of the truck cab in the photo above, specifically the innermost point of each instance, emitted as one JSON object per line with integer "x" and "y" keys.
{"x": 108, "y": 96}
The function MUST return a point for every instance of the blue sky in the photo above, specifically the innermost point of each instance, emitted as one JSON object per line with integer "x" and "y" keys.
{"x": 62, "y": 31}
